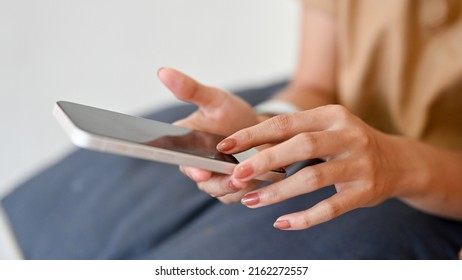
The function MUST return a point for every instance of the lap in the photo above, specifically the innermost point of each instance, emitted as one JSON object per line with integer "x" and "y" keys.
{"x": 391, "y": 230}
{"x": 92, "y": 205}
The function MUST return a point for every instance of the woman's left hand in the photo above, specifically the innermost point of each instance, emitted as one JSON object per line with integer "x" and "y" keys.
{"x": 364, "y": 164}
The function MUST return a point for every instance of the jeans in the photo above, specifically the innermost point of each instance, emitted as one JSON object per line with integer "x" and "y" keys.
{"x": 92, "y": 205}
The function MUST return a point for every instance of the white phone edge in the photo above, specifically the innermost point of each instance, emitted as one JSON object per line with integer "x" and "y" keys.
{"x": 87, "y": 140}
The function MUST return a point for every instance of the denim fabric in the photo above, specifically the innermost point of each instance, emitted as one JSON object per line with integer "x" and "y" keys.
{"x": 92, "y": 205}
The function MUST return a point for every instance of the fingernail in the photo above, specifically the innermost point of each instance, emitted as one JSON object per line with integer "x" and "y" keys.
{"x": 251, "y": 199}
{"x": 226, "y": 144}
{"x": 243, "y": 171}
{"x": 282, "y": 224}
{"x": 158, "y": 70}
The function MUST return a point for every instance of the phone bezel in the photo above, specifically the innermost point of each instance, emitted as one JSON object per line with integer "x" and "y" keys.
{"x": 88, "y": 140}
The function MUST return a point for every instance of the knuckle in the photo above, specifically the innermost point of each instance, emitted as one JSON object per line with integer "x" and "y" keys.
{"x": 266, "y": 158}
{"x": 271, "y": 195}
{"x": 317, "y": 177}
{"x": 306, "y": 220}
{"x": 308, "y": 143}
{"x": 314, "y": 177}
{"x": 373, "y": 183}
{"x": 372, "y": 195}
{"x": 369, "y": 163}
{"x": 281, "y": 124}
{"x": 330, "y": 210}
{"x": 340, "y": 115}
{"x": 371, "y": 178}
{"x": 362, "y": 137}
{"x": 339, "y": 111}
{"x": 246, "y": 135}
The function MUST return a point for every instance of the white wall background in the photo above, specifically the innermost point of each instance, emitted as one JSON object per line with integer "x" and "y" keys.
{"x": 106, "y": 53}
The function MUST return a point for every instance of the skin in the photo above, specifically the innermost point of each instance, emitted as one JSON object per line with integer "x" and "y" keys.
{"x": 215, "y": 108}
{"x": 366, "y": 166}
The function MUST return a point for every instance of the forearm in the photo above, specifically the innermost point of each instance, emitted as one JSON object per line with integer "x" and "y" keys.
{"x": 314, "y": 81}
{"x": 432, "y": 178}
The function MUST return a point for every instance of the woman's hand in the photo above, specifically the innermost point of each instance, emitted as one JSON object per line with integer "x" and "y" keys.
{"x": 365, "y": 165}
{"x": 218, "y": 112}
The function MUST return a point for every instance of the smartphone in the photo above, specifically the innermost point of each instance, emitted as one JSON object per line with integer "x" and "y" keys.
{"x": 117, "y": 133}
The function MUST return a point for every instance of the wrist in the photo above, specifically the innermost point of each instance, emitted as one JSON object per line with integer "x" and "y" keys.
{"x": 427, "y": 178}
{"x": 410, "y": 165}
{"x": 274, "y": 107}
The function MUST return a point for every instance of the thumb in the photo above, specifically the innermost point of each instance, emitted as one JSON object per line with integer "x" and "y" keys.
{"x": 187, "y": 89}
{"x": 185, "y": 122}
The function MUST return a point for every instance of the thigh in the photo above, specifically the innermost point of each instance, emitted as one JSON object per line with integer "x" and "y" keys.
{"x": 101, "y": 206}
{"x": 94, "y": 205}
{"x": 391, "y": 230}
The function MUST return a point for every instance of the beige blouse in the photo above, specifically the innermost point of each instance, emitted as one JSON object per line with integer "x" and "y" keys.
{"x": 400, "y": 65}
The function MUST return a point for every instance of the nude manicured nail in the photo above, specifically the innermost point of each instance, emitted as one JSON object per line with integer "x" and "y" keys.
{"x": 160, "y": 69}
{"x": 226, "y": 144}
{"x": 282, "y": 224}
{"x": 243, "y": 171}
{"x": 250, "y": 199}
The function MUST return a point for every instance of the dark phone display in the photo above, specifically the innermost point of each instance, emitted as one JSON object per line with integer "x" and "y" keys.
{"x": 196, "y": 143}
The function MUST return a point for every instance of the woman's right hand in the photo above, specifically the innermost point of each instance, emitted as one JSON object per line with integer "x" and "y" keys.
{"x": 218, "y": 112}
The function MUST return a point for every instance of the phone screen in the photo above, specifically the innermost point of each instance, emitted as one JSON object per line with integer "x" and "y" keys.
{"x": 195, "y": 142}
{"x": 146, "y": 132}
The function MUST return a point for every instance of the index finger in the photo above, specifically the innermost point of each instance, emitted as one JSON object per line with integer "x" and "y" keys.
{"x": 187, "y": 89}
{"x": 276, "y": 130}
